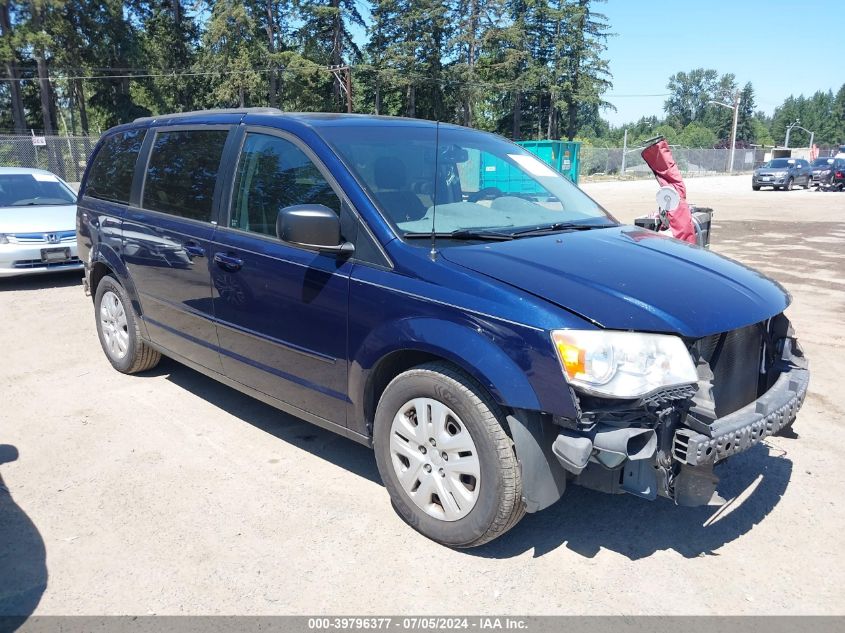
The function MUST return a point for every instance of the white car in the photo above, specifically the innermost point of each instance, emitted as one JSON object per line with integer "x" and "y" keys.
{"x": 37, "y": 223}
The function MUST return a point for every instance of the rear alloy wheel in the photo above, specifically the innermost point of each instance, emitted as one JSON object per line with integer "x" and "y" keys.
{"x": 445, "y": 458}
{"x": 789, "y": 184}
{"x": 117, "y": 328}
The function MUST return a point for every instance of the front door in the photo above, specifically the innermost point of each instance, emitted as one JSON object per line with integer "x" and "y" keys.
{"x": 280, "y": 309}
{"x": 167, "y": 242}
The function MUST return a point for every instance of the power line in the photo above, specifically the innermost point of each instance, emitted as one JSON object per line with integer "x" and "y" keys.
{"x": 412, "y": 76}
{"x": 148, "y": 75}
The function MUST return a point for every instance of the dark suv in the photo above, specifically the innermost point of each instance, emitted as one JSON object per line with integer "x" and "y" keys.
{"x": 441, "y": 295}
{"x": 783, "y": 173}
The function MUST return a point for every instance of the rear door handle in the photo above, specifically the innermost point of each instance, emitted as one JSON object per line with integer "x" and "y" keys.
{"x": 228, "y": 262}
{"x": 194, "y": 249}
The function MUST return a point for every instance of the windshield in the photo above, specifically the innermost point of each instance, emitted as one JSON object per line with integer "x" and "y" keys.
{"x": 822, "y": 162}
{"x": 450, "y": 179}
{"x": 781, "y": 162}
{"x": 35, "y": 189}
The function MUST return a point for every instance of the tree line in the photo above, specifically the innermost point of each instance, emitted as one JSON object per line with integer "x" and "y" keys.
{"x": 692, "y": 119}
{"x": 527, "y": 69}
{"x": 524, "y": 68}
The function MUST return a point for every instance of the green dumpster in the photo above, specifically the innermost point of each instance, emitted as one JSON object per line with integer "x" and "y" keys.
{"x": 561, "y": 156}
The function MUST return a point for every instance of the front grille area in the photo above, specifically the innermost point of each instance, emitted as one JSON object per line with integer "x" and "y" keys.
{"x": 735, "y": 360}
{"x": 37, "y": 263}
{"x": 42, "y": 238}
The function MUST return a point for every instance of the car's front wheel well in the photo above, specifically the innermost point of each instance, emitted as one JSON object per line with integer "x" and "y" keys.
{"x": 391, "y": 366}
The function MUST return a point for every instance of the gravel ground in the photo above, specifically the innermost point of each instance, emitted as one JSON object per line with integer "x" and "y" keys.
{"x": 168, "y": 493}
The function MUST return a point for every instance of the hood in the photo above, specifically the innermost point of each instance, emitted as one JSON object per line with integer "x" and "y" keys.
{"x": 627, "y": 278}
{"x": 37, "y": 219}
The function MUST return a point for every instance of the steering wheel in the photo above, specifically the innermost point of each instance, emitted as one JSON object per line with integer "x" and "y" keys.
{"x": 488, "y": 193}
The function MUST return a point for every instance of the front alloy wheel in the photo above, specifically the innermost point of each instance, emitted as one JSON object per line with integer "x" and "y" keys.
{"x": 445, "y": 457}
{"x": 435, "y": 459}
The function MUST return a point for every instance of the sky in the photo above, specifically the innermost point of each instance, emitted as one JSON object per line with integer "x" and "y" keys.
{"x": 773, "y": 44}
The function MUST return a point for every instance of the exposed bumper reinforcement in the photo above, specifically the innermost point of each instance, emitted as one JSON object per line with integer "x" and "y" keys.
{"x": 742, "y": 429}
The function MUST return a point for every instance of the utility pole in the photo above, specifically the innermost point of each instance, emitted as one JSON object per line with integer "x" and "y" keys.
{"x": 788, "y": 131}
{"x": 733, "y": 132}
{"x": 343, "y": 76}
{"x": 624, "y": 152}
{"x": 735, "y": 108}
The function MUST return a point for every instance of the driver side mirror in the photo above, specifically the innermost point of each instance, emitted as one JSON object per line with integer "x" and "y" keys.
{"x": 312, "y": 226}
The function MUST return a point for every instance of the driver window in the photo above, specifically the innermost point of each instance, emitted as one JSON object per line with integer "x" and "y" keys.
{"x": 273, "y": 173}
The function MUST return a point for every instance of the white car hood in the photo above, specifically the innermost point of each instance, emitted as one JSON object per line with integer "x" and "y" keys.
{"x": 38, "y": 219}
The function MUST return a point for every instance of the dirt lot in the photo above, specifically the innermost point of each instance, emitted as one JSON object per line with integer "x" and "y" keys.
{"x": 168, "y": 493}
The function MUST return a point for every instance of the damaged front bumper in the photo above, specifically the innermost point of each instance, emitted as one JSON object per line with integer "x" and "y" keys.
{"x": 665, "y": 447}
{"x": 773, "y": 411}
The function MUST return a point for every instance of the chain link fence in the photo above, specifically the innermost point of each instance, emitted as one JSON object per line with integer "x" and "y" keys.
{"x": 602, "y": 161}
{"x": 65, "y": 156}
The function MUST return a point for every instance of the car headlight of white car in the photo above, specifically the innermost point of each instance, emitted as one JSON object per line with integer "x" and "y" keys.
{"x": 623, "y": 364}
{"x": 3, "y": 238}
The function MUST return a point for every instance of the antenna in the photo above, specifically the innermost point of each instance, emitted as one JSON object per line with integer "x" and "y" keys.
{"x": 433, "y": 253}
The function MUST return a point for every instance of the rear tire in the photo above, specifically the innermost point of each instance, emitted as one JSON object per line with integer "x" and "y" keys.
{"x": 477, "y": 509}
{"x": 117, "y": 328}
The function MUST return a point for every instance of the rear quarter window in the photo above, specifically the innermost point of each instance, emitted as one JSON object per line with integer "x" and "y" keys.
{"x": 110, "y": 177}
{"x": 182, "y": 172}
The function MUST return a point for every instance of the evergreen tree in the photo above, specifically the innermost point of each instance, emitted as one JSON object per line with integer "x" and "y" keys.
{"x": 232, "y": 53}
{"x": 745, "y": 131}
{"x": 169, "y": 39}
{"x": 9, "y": 56}
{"x": 588, "y": 73}
{"x": 326, "y": 37}
{"x": 114, "y": 46}
{"x": 837, "y": 115}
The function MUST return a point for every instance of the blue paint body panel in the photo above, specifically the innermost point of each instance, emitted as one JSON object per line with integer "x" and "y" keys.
{"x": 309, "y": 329}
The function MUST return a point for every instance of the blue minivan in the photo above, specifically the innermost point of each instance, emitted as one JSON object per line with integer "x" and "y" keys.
{"x": 492, "y": 344}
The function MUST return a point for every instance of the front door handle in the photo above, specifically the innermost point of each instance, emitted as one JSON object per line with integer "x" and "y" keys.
{"x": 228, "y": 262}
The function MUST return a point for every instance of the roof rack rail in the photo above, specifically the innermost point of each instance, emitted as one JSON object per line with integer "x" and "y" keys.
{"x": 174, "y": 115}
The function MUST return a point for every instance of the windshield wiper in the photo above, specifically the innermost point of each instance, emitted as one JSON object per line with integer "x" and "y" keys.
{"x": 556, "y": 227}
{"x": 464, "y": 234}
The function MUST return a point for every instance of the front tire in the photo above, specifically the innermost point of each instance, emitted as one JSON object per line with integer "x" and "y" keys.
{"x": 789, "y": 183}
{"x": 445, "y": 458}
{"x": 117, "y": 328}
{"x": 755, "y": 187}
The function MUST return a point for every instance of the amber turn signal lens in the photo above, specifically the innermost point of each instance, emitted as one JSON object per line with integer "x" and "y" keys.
{"x": 572, "y": 357}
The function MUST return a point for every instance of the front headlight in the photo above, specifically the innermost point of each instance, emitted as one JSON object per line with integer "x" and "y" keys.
{"x": 780, "y": 174}
{"x": 3, "y": 239}
{"x": 623, "y": 364}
